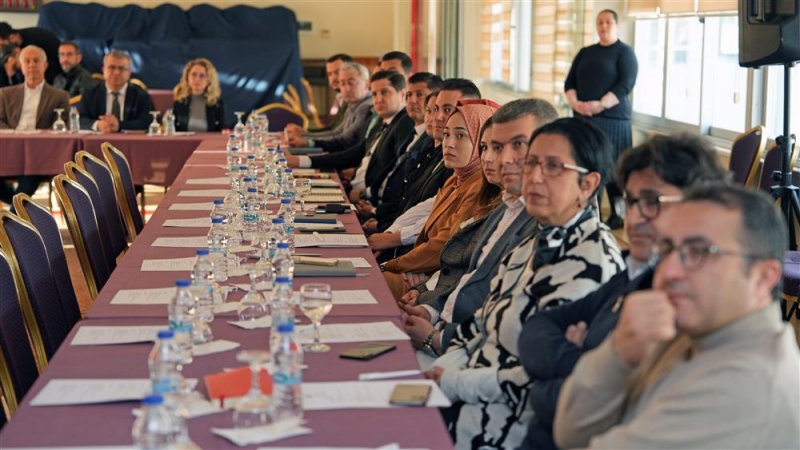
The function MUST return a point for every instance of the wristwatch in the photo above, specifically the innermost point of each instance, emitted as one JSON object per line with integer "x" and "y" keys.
{"x": 428, "y": 344}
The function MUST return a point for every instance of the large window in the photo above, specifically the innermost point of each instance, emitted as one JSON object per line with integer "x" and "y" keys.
{"x": 505, "y": 55}
{"x": 684, "y": 67}
{"x": 728, "y": 86}
{"x": 650, "y": 45}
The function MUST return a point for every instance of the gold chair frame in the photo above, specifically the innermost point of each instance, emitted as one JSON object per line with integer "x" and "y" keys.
{"x": 122, "y": 199}
{"x": 80, "y": 159}
{"x": 752, "y": 172}
{"x": 272, "y": 106}
{"x": 310, "y": 106}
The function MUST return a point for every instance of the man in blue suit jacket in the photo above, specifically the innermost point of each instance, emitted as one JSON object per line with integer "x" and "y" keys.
{"x": 116, "y": 104}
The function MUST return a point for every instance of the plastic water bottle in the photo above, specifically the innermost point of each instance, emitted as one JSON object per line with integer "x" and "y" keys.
{"x": 162, "y": 363}
{"x": 275, "y": 235}
{"x": 283, "y": 262}
{"x": 74, "y": 120}
{"x": 250, "y": 214}
{"x": 252, "y": 167}
{"x": 220, "y": 210}
{"x": 272, "y": 182}
{"x": 282, "y": 310}
{"x": 286, "y": 212}
{"x": 287, "y": 184}
{"x": 288, "y": 375}
{"x": 169, "y": 123}
{"x": 182, "y": 311}
{"x": 234, "y": 156}
{"x": 204, "y": 290}
{"x": 155, "y": 428}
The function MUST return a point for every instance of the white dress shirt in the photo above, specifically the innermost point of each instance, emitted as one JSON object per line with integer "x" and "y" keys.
{"x": 411, "y": 222}
{"x": 110, "y": 100}
{"x": 30, "y": 106}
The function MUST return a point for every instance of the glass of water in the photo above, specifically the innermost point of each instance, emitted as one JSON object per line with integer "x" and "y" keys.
{"x": 59, "y": 126}
{"x": 253, "y": 409}
{"x": 303, "y": 187}
{"x": 316, "y": 302}
{"x": 154, "y": 129}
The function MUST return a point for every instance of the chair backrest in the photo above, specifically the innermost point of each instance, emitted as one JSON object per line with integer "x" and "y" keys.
{"x": 82, "y": 224}
{"x": 280, "y": 115}
{"x": 112, "y": 249}
{"x": 42, "y": 310}
{"x": 773, "y": 160}
{"x": 75, "y": 99}
{"x": 292, "y": 98}
{"x": 126, "y": 191}
{"x": 108, "y": 195}
{"x": 41, "y": 219}
{"x": 310, "y": 108}
{"x": 18, "y": 368}
{"x": 745, "y": 155}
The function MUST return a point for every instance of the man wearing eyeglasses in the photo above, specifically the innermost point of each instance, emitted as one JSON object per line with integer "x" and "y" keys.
{"x": 116, "y": 104}
{"x": 654, "y": 175}
{"x": 701, "y": 360}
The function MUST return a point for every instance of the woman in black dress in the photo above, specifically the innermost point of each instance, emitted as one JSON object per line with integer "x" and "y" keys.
{"x": 198, "y": 105}
{"x": 597, "y": 87}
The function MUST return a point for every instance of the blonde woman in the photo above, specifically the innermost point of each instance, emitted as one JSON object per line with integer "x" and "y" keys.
{"x": 198, "y": 103}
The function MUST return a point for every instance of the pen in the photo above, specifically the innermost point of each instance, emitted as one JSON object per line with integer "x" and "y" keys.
{"x": 386, "y": 375}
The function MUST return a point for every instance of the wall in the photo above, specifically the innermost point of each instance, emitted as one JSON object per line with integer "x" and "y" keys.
{"x": 357, "y": 27}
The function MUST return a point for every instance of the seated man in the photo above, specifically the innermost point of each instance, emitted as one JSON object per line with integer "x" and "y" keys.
{"x": 29, "y": 106}
{"x": 40, "y": 37}
{"x": 701, "y": 360}
{"x": 10, "y": 73}
{"x": 339, "y": 106}
{"x": 116, "y": 104}
{"x": 398, "y": 62}
{"x": 74, "y": 79}
{"x": 654, "y": 175}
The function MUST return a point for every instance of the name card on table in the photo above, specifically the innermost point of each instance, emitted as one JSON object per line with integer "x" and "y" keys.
{"x": 82, "y": 391}
{"x": 168, "y": 265}
{"x": 343, "y": 297}
{"x": 184, "y": 242}
{"x": 218, "y": 346}
{"x": 358, "y": 263}
{"x": 330, "y": 240}
{"x": 203, "y": 206}
{"x": 324, "y": 183}
{"x": 325, "y": 191}
{"x": 266, "y": 433}
{"x": 113, "y": 335}
{"x": 352, "y": 332}
{"x": 362, "y": 394}
{"x": 196, "y": 222}
{"x": 154, "y": 296}
{"x": 324, "y": 198}
{"x": 216, "y": 193}
{"x": 219, "y": 180}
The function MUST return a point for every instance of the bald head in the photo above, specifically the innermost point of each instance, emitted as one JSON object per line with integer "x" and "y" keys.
{"x": 33, "y": 62}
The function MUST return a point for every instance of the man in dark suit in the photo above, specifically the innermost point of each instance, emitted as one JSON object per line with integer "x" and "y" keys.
{"x": 74, "y": 79}
{"x": 116, "y": 104}
{"x": 40, "y": 37}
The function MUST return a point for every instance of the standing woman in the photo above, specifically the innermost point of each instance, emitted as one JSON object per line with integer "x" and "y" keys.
{"x": 198, "y": 105}
{"x": 597, "y": 87}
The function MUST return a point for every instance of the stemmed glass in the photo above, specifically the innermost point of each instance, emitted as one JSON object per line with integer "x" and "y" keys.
{"x": 253, "y": 409}
{"x": 303, "y": 187}
{"x": 253, "y": 305}
{"x": 59, "y": 126}
{"x": 154, "y": 129}
{"x": 238, "y": 129}
{"x": 316, "y": 303}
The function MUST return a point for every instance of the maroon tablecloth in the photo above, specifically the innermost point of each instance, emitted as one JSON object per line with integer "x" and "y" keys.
{"x": 36, "y": 154}
{"x": 162, "y": 99}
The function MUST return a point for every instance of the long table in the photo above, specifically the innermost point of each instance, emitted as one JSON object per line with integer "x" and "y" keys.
{"x": 110, "y": 424}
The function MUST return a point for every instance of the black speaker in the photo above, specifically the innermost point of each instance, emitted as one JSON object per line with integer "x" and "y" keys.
{"x": 769, "y": 32}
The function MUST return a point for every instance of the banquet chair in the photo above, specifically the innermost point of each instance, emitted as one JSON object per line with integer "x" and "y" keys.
{"x": 746, "y": 154}
{"x": 75, "y": 99}
{"x": 790, "y": 297}
{"x": 108, "y": 196}
{"x": 280, "y": 115}
{"x": 292, "y": 98}
{"x": 310, "y": 108}
{"x": 42, "y": 310}
{"x": 82, "y": 224}
{"x": 123, "y": 185}
{"x": 773, "y": 161}
{"x": 44, "y": 222}
{"x": 18, "y": 369}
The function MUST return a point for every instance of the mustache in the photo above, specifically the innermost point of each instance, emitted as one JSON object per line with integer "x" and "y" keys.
{"x": 643, "y": 229}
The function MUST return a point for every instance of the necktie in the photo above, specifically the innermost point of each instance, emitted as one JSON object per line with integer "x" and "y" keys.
{"x": 116, "y": 110}
{"x": 374, "y": 139}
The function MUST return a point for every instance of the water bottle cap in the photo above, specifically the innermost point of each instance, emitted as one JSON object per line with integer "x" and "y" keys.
{"x": 283, "y": 245}
{"x": 281, "y": 159}
{"x": 283, "y": 280}
{"x": 251, "y": 156}
{"x": 183, "y": 282}
{"x": 216, "y": 220}
{"x": 286, "y": 201}
{"x": 153, "y": 400}
{"x": 231, "y": 136}
{"x": 247, "y": 179}
{"x": 252, "y": 189}
{"x": 242, "y": 167}
{"x": 202, "y": 251}
{"x": 287, "y": 170}
{"x": 286, "y": 327}
{"x": 280, "y": 151}
{"x": 219, "y": 201}
{"x": 277, "y": 220}
{"x": 166, "y": 334}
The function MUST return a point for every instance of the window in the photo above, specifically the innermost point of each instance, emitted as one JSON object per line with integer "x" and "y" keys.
{"x": 684, "y": 68}
{"x": 505, "y": 55}
{"x": 648, "y": 95}
{"x": 728, "y": 87}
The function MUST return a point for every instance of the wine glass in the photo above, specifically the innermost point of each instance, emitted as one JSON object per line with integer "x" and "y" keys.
{"x": 154, "y": 129}
{"x": 59, "y": 126}
{"x": 238, "y": 129}
{"x": 253, "y": 305}
{"x": 303, "y": 187}
{"x": 253, "y": 409}
{"x": 316, "y": 303}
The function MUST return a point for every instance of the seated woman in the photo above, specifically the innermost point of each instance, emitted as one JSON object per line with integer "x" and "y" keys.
{"x": 456, "y": 202}
{"x": 198, "y": 105}
{"x": 573, "y": 254}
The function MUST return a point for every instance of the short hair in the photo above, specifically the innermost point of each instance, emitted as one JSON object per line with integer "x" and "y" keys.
{"x": 6, "y": 30}
{"x": 762, "y": 233}
{"x": 431, "y": 95}
{"x": 71, "y": 44}
{"x": 466, "y": 87}
{"x": 117, "y": 54}
{"x": 432, "y": 81}
{"x": 405, "y": 60}
{"x": 398, "y": 81}
{"x": 589, "y": 145}
{"x": 682, "y": 160}
{"x": 540, "y": 109}
{"x": 35, "y": 48}
{"x": 343, "y": 57}
{"x": 612, "y": 12}
{"x": 362, "y": 71}
{"x": 6, "y": 51}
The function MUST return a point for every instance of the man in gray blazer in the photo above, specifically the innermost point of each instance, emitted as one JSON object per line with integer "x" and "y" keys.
{"x": 460, "y": 292}
{"x": 30, "y": 105}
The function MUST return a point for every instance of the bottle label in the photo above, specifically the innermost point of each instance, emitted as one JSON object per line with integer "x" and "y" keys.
{"x": 163, "y": 386}
{"x": 286, "y": 379}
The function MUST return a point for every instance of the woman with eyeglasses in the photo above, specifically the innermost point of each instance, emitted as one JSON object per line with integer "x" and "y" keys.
{"x": 198, "y": 103}
{"x": 573, "y": 254}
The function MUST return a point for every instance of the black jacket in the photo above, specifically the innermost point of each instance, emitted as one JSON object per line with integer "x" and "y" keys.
{"x": 136, "y": 111}
{"x": 75, "y": 82}
{"x": 425, "y": 180}
{"x": 215, "y": 115}
{"x": 392, "y": 200}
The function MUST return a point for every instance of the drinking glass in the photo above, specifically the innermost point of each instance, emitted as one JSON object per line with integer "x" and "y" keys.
{"x": 238, "y": 129}
{"x": 253, "y": 305}
{"x": 154, "y": 129}
{"x": 59, "y": 126}
{"x": 253, "y": 409}
{"x": 316, "y": 303}
{"x": 303, "y": 187}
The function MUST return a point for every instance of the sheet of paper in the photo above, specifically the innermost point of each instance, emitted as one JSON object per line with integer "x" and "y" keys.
{"x": 313, "y": 198}
{"x": 266, "y": 433}
{"x": 83, "y": 391}
{"x": 218, "y": 180}
{"x": 183, "y": 242}
{"x": 358, "y": 263}
{"x": 264, "y": 322}
{"x": 219, "y": 193}
{"x": 218, "y": 346}
{"x": 196, "y": 222}
{"x": 324, "y": 183}
{"x": 330, "y": 240}
{"x": 352, "y": 332}
{"x": 362, "y": 394}
{"x": 318, "y": 226}
{"x": 299, "y": 171}
{"x": 351, "y": 297}
{"x": 203, "y": 206}
{"x": 325, "y": 191}
{"x": 154, "y": 296}
{"x": 224, "y": 308}
{"x": 263, "y": 286}
{"x": 168, "y": 265}
{"x": 111, "y": 335}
